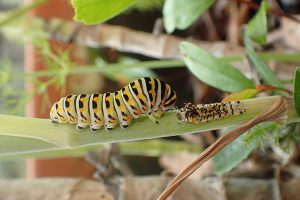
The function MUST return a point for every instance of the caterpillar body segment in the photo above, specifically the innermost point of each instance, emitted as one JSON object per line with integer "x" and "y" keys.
{"x": 123, "y": 113}
{"x": 145, "y": 96}
{"x": 82, "y": 110}
{"x": 109, "y": 112}
{"x": 57, "y": 112}
{"x": 131, "y": 103}
{"x": 70, "y": 108}
{"x": 96, "y": 111}
{"x": 137, "y": 91}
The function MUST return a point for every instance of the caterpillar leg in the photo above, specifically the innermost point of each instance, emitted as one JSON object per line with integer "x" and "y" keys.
{"x": 80, "y": 127}
{"x": 123, "y": 126}
{"x": 153, "y": 118}
{"x": 156, "y": 114}
{"x": 108, "y": 128}
{"x": 94, "y": 127}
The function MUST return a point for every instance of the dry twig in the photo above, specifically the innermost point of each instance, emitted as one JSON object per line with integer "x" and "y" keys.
{"x": 124, "y": 39}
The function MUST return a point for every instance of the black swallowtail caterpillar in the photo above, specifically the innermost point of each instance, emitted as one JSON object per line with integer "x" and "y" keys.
{"x": 207, "y": 112}
{"x": 148, "y": 96}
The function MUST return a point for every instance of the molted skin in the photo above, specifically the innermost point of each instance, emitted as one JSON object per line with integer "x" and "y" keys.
{"x": 207, "y": 112}
{"x": 145, "y": 96}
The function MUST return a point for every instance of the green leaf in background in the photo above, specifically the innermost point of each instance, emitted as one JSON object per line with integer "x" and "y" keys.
{"x": 97, "y": 11}
{"x": 8, "y": 17}
{"x": 297, "y": 90}
{"x": 149, "y": 5}
{"x": 213, "y": 71}
{"x": 181, "y": 14}
{"x": 257, "y": 27}
{"x": 260, "y": 67}
{"x": 240, "y": 149}
{"x": 245, "y": 94}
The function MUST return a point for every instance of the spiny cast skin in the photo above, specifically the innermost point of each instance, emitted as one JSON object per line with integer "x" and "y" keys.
{"x": 148, "y": 96}
{"x": 208, "y": 112}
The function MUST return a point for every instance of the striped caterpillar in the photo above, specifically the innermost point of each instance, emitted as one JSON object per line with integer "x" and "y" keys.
{"x": 207, "y": 112}
{"x": 147, "y": 96}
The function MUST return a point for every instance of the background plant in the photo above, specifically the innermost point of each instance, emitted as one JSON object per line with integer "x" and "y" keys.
{"x": 206, "y": 67}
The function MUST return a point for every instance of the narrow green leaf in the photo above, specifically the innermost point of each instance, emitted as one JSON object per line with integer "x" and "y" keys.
{"x": 12, "y": 15}
{"x": 257, "y": 27}
{"x": 97, "y": 11}
{"x": 240, "y": 149}
{"x": 15, "y": 145}
{"x": 181, "y": 14}
{"x": 41, "y": 135}
{"x": 19, "y": 147}
{"x": 297, "y": 90}
{"x": 213, "y": 71}
{"x": 260, "y": 67}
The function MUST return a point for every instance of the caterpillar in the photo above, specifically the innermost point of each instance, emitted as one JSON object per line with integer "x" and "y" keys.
{"x": 207, "y": 112}
{"x": 145, "y": 96}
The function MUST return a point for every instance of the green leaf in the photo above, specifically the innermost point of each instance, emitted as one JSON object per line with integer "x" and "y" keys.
{"x": 260, "y": 67}
{"x": 245, "y": 94}
{"x": 97, "y": 11}
{"x": 34, "y": 135}
{"x": 19, "y": 147}
{"x": 181, "y": 14}
{"x": 213, "y": 71}
{"x": 297, "y": 90}
{"x": 257, "y": 27}
{"x": 240, "y": 149}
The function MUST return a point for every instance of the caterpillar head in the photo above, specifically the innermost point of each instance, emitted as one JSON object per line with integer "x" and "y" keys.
{"x": 170, "y": 101}
{"x": 57, "y": 114}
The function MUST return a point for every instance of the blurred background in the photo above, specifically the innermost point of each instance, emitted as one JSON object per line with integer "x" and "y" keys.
{"x": 41, "y": 35}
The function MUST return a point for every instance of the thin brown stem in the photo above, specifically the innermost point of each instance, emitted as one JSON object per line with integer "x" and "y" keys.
{"x": 263, "y": 88}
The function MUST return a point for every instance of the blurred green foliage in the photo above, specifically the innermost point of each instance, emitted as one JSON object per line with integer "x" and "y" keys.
{"x": 177, "y": 15}
{"x": 297, "y": 90}
{"x": 181, "y": 14}
{"x": 92, "y": 12}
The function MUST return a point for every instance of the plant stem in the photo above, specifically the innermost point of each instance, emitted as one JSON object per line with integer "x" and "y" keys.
{"x": 157, "y": 64}
{"x": 18, "y": 12}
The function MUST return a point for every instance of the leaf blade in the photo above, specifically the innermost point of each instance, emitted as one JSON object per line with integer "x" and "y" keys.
{"x": 257, "y": 27}
{"x": 260, "y": 67}
{"x": 297, "y": 90}
{"x": 65, "y": 136}
{"x": 97, "y": 11}
{"x": 19, "y": 147}
{"x": 245, "y": 94}
{"x": 182, "y": 18}
{"x": 233, "y": 154}
{"x": 213, "y": 71}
